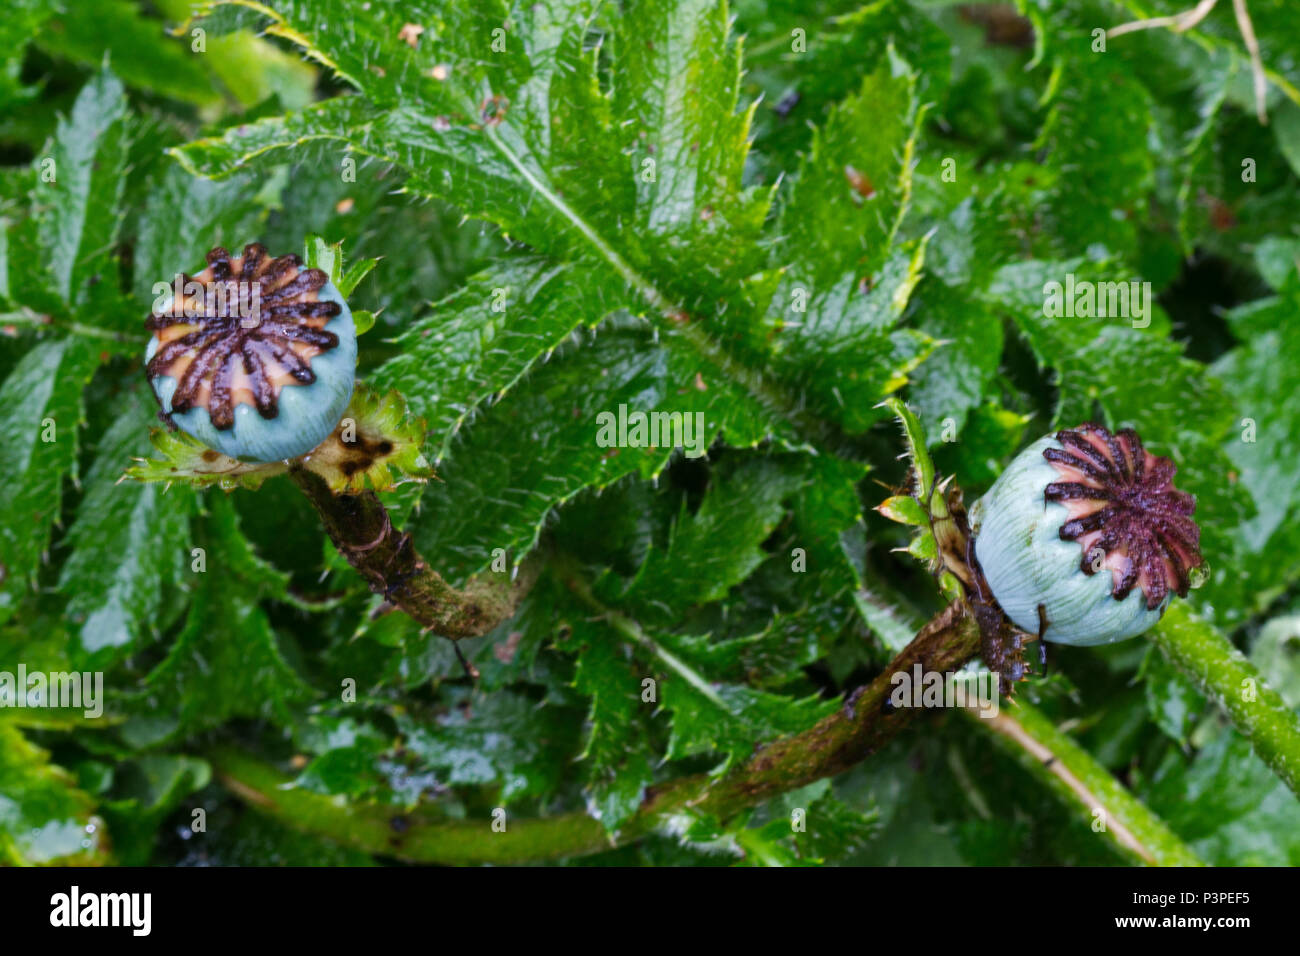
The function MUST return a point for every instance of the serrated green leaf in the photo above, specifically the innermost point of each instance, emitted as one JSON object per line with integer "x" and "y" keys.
{"x": 502, "y": 738}
{"x": 1259, "y": 441}
{"x": 524, "y": 457}
{"x": 618, "y": 756}
{"x": 1036, "y": 295}
{"x": 915, "y": 439}
{"x": 44, "y": 819}
{"x": 39, "y": 432}
{"x": 956, "y": 377}
{"x": 718, "y": 546}
{"x": 478, "y": 344}
{"x": 460, "y": 38}
{"x": 251, "y": 67}
{"x": 1098, "y": 109}
{"x": 514, "y": 652}
{"x": 819, "y": 826}
{"x": 806, "y": 59}
{"x": 674, "y": 103}
{"x": 113, "y": 605}
{"x": 226, "y": 661}
{"x": 852, "y": 189}
{"x": 153, "y": 60}
{"x": 845, "y": 348}
{"x": 730, "y": 719}
{"x": 236, "y": 147}
{"x": 79, "y": 187}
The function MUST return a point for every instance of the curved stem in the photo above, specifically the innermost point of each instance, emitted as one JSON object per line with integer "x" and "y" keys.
{"x": 420, "y": 836}
{"x": 1224, "y": 675}
{"x": 360, "y": 528}
{"x": 1072, "y": 774}
{"x": 834, "y": 744}
{"x": 1063, "y": 767}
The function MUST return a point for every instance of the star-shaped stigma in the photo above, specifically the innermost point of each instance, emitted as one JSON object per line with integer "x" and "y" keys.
{"x": 1125, "y": 512}
{"x": 240, "y": 331}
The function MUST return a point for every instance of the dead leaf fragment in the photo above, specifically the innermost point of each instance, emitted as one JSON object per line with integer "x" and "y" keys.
{"x": 410, "y": 32}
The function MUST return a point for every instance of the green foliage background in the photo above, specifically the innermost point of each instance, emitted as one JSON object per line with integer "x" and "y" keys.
{"x": 505, "y": 148}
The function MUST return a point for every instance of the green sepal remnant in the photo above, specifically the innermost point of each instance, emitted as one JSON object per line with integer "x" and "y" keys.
{"x": 376, "y": 443}
{"x": 328, "y": 257}
{"x": 187, "y": 460}
{"x": 932, "y": 506}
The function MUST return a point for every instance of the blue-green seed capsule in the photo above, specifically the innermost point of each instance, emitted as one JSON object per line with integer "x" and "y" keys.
{"x": 255, "y": 356}
{"x": 1089, "y": 526}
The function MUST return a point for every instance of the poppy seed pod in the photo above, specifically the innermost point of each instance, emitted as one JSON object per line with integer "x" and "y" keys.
{"x": 255, "y": 356}
{"x": 1088, "y": 526}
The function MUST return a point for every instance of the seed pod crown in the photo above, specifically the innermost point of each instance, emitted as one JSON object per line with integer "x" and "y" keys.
{"x": 255, "y": 356}
{"x": 1074, "y": 505}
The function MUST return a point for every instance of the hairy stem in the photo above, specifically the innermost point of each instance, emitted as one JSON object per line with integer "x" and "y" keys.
{"x": 360, "y": 528}
{"x": 420, "y": 836}
{"x": 838, "y": 742}
{"x": 834, "y": 744}
{"x": 1224, "y": 675}
{"x": 1059, "y": 764}
{"x": 1070, "y": 772}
